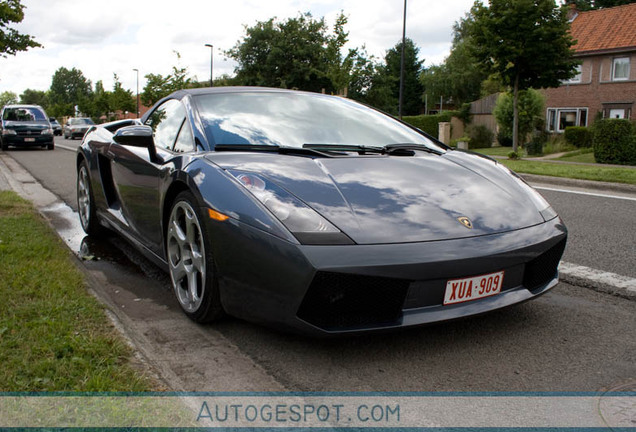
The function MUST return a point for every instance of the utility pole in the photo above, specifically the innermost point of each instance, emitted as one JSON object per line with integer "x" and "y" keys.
{"x": 211, "y": 64}
{"x": 402, "y": 63}
{"x": 137, "y": 70}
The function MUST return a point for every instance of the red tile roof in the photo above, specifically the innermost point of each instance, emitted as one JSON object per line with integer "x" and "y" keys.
{"x": 605, "y": 29}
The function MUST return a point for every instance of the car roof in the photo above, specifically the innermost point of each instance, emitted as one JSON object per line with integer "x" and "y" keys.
{"x": 22, "y": 106}
{"x": 234, "y": 89}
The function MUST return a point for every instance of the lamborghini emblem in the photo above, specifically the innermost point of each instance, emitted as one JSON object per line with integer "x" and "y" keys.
{"x": 465, "y": 221}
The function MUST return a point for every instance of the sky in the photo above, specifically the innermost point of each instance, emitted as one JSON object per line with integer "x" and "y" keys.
{"x": 107, "y": 37}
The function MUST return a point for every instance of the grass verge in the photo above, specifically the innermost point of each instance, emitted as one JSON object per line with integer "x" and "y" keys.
{"x": 582, "y": 172}
{"x": 54, "y": 336}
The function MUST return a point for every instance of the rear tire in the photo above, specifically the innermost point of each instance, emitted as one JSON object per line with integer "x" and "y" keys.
{"x": 86, "y": 202}
{"x": 192, "y": 270}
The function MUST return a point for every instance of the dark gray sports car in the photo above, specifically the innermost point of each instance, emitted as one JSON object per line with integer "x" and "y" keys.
{"x": 315, "y": 213}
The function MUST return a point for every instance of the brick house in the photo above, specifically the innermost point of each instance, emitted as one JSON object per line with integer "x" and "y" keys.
{"x": 605, "y": 85}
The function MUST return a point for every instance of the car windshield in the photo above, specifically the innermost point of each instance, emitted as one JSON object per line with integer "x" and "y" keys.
{"x": 25, "y": 114}
{"x": 81, "y": 121}
{"x": 296, "y": 119}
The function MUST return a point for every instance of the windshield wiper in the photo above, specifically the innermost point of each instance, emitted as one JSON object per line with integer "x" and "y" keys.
{"x": 344, "y": 148}
{"x": 400, "y": 148}
{"x": 267, "y": 148}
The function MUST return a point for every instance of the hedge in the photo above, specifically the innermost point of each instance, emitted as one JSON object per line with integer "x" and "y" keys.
{"x": 480, "y": 137}
{"x": 578, "y": 136}
{"x": 614, "y": 142}
{"x": 429, "y": 123}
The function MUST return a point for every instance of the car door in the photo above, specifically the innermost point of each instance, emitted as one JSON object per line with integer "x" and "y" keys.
{"x": 137, "y": 178}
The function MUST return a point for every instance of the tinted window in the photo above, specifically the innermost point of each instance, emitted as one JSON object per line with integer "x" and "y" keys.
{"x": 294, "y": 119}
{"x": 80, "y": 121}
{"x": 166, "y": 121}
{"x": 23, "y": 114}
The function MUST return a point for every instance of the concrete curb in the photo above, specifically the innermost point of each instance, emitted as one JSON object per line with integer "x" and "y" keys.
{"x": 585, "y": 184}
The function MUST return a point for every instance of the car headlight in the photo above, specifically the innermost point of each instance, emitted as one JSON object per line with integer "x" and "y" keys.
{"x": 47, "y": 132}
{"x": 9, "y": 132}
{"x": 301, "y": 220}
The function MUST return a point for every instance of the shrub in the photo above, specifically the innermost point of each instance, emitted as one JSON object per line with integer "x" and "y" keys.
{"x": 429, "y": 123}
{"x": 454, "y": 142}
{"x": 513, "y": 155}
{"x": 578, "y": 136}
{"x": 614, "y": 142}
{"x": 480, "y": 137}
{"x": 534, "y": 148}
{"x": 504, "y": 139}
{"x": 531, "y": 104}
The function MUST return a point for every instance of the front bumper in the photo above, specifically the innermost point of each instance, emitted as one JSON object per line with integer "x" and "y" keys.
{"x": 27, "y": 141}
{"x": 326, "y": 290}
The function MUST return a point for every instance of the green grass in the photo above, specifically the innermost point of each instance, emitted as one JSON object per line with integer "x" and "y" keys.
{"x": 583, "y": 155}
{"x": 583, "y": 172}
{"x": 54, "y": 336}
{"x": 494, "y": 151}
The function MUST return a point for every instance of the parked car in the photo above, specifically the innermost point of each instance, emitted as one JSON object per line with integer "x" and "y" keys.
{"x": 76, "y": 127}
{"x": 25, "y": 126}
{"x": 57, "y": 127}
{"x": 315, "y": 213}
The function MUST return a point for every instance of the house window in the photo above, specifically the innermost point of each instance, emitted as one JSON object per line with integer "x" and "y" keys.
{"x": 617, "y": 113}
{"x": 576, "y": 78}
{"x": 620, "y": 69}
{"x": 557, "y": 119}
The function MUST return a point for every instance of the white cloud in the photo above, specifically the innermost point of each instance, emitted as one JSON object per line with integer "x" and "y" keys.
{"x": 101, "y": 38}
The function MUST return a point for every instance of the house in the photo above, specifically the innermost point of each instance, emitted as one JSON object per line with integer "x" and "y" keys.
{"x": 605, "y": 85}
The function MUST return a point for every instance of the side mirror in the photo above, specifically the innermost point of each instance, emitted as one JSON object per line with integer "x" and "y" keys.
{"x": 137, "y": 136}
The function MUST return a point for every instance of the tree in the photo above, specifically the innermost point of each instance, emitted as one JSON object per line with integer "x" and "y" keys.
{"x": 526, "y": 42}
{"x": 12, "y": 41}
{"x": 289, "y": 54}
{"x": 159, "y": 86}
{"x": 458, "y": 79}
{"x": 8, "y": 98}
{"x": 585, "y": 5}
{"x": 530, "y": 105}
{"x": 69, "y": 88}
{"x": 121, "y": 99}
{"x": 35, "y": 97}
{"x": 413, "y": 89}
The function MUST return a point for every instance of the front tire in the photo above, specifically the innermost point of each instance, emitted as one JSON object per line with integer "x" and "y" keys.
{"x": 86, "y": 202}
{"x": 50, "y": 146}
{"x": 190, "y": 260}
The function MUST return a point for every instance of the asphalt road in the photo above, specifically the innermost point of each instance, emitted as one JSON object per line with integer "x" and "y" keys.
{"x": 571, "y": 339}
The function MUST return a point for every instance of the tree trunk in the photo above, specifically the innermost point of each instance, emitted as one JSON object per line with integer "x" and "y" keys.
{"x": 515, "y": 116}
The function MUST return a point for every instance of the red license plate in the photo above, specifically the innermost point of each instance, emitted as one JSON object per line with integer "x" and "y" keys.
{"x": 473, "y": 288}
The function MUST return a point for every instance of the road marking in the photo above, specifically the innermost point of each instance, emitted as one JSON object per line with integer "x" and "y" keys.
{"x": 65, "y": 147}
{"x": 615, "y": 283}
{"x": 585, "y": 193}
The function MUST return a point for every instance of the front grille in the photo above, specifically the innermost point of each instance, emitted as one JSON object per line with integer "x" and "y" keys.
{"x": 29, "y": 133}
{"x": 338, "y": 301}
{"x": 543, "y": 268}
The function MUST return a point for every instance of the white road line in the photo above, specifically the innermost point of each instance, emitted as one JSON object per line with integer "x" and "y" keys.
{"x": 65, "y": 147}
{"x": 614, "y": 282}
{"x": 585, "y": 193}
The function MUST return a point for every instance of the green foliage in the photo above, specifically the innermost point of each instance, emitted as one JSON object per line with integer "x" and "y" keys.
{"x": 121, "y": 99}
{"x": 413, "y": 89}
{"x": 480, "y": 137}
{"x": 428, "y": 123}
{"x": 457, "y": 79}
{"x": 69, "y": 88}
{"x": 35, "y": 97}
{"x": 504, "y": 138}
{"x": 585, "y": 5}
{"x": 12, "y": 41}
{"x": 290, "y": 54}
{"x": 159, "y": 86}
{"x": 525, "y": 42}
{"x": 513, "y": 155}
{"x": 530, "y": 105}
{"x": 534, "y": 148}
{"x": 578, "y": 136}
{"x": 8, "y": 98}
{"x": 614, "y": 142}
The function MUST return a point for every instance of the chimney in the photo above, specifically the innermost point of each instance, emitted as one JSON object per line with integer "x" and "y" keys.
{"x": 573, "y": 10}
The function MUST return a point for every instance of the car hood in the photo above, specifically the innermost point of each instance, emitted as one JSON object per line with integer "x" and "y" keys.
{"x": 395, "y": 199}
{"x": 19, "y": 125}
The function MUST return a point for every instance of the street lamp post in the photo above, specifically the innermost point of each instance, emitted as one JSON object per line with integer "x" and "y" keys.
{"x": 137, "y": 70}
{"x": 211, "y": 64}
{"x": 402, "y": 63}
